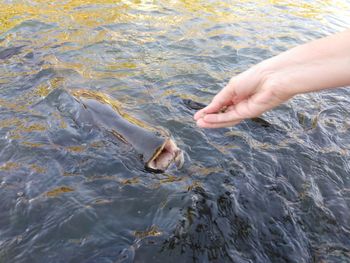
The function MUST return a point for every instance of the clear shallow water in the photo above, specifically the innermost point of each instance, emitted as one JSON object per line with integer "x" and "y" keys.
{"x": 245, "y": 194}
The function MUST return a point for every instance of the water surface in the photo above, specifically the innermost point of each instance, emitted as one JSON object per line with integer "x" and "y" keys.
{"x": 245, "y": 194}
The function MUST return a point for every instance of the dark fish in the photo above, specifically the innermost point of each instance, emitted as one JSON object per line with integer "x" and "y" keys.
{"x": 193, "y": 105}
{"x": 261, "y": 121}
{"x": 10, "y": 52}
{"x": 158, "y": 150}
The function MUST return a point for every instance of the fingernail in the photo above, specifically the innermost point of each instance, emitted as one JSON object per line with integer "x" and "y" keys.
{"x": 198, "y": 116}
{"x": 205, "y": 118}
{"x": 199, "y": 123}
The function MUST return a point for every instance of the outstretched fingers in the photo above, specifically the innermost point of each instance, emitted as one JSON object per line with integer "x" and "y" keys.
{"x": 201, "y": 123}
{"x": 214, "y": 106}
{"x": 222, "y": 99}
{"x": 228, "y": 116}
{"x": 238, "y": 112}
{"x": 245, "y": 109}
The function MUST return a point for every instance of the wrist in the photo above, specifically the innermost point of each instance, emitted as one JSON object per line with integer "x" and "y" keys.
{"x": 276, "y": 82}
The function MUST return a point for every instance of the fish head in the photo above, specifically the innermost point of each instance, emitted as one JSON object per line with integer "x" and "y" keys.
{"x": 168, "y": 153}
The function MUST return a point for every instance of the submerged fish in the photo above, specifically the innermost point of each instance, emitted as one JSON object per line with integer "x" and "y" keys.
{"x": 10, "y": 52}
{"x": 157, "y": 148}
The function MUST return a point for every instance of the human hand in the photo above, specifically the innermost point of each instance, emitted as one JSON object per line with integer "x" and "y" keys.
{"x": 317, "y": 65}
{"x": 247, "y": 95}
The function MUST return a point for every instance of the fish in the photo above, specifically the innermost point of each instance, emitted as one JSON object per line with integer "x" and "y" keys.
{"x": 194, "y": 105}
{"x": 156, "y": 147}
{"x": 10, "y": 52}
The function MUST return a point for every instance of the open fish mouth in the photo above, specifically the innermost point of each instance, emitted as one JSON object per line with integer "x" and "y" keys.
{"x": 155, "y": 145}
{"x": 165, "y": 155}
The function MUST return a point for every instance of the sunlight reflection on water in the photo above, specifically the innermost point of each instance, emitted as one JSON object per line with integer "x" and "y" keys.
{"x": 251, "y": 193}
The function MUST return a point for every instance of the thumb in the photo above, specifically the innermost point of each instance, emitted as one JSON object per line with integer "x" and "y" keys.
{"x": 224, "y": 98}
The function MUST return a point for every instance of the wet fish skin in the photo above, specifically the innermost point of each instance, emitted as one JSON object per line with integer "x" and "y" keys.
{"x": 193, "y": 105}
{"x": 10, "y": 52}
{"x": 158, "y": 149}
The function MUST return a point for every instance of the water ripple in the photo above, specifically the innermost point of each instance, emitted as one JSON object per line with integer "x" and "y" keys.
{"x": 251, "y": 193}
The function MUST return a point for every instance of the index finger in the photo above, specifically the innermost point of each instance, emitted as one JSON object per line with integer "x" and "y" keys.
{"x": 212, "y": 107}
{"x": 222, "y": 99}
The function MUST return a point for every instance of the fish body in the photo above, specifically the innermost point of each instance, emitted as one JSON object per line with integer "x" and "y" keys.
{"x": 157, "y": 148}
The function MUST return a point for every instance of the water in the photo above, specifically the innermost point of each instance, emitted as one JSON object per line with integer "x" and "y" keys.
{"x": 245, "y": 194}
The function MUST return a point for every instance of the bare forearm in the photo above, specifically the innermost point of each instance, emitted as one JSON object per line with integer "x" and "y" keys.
{"x": 316, "y": 75}
{"x": 337, "y": 45}
{"x": 320, "y": 64}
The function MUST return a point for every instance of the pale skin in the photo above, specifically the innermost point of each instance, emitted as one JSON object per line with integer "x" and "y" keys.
{"x": 314, "y": 66}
